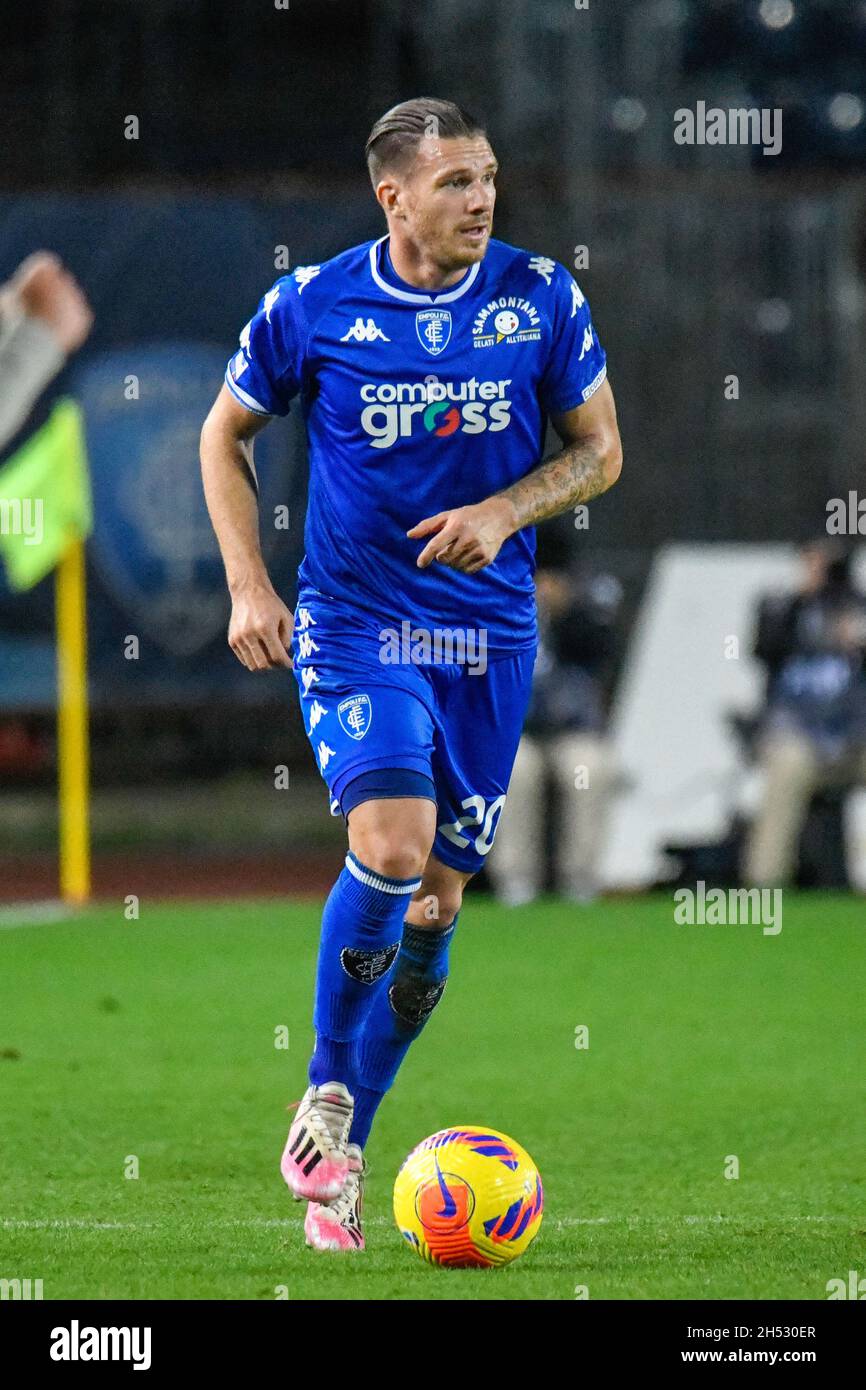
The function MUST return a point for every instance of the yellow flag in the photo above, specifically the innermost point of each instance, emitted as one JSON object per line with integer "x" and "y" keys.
{"x": 45, "y": 497}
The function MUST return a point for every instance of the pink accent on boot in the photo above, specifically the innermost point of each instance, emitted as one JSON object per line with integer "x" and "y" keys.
{"x": 338, "y": 1226}
{"x": 314, "y": 1162}
{"x": 324, "y": 1233}
{"x": 322, "y": 1184}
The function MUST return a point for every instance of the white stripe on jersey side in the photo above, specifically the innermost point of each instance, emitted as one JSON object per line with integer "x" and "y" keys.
{"x": 244, "y": 399}
{"x": 465, "y": 283}
{"x": 374, "y": 881}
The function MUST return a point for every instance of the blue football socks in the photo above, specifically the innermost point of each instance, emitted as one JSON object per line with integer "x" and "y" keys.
{"x": 361, "y": 933}
{"x": 396, "y": 1018}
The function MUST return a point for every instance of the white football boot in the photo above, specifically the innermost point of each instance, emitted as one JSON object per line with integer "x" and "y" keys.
{"x": 315, "y": 1162}
{"x": 337, "y": 1226}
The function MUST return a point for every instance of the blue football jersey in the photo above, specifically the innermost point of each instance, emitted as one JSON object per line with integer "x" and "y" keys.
{"x": 416, "y": 403}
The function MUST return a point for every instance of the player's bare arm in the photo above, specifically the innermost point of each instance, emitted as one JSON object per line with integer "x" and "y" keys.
{"x": 468, "y": 538}
{"x": 261, "y": 625}
{"x": 588, "y": 464}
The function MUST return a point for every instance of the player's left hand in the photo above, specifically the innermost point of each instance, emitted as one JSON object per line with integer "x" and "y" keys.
{"x": 467, "y": 538}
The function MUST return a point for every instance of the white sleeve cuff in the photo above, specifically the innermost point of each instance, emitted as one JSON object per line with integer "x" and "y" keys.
{"x": 248, "y": 402}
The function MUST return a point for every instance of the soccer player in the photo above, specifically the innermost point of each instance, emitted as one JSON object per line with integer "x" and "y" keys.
{"x": 426, "y": 364}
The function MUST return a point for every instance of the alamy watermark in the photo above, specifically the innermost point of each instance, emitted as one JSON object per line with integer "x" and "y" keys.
{"x": 77, "y": 1343}
{"x": 736, "y": 126}
{"x": 20, "y": 1289}
{"x": 846, "y": 516}
{"x": 437, "y": 646}
{"x": 854, "y": 1287}
{"x": 719, "y": 907}
{"x": 22, "y": 516}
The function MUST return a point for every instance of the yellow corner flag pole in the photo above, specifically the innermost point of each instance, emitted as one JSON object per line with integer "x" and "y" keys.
{"x": 73, "y": 760}
{"x": 50, "y": 471}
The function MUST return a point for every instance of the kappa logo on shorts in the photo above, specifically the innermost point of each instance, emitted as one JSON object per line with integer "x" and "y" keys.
{"x": 355, "y": 715}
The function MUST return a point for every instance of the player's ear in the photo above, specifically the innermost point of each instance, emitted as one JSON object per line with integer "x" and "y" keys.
{"x": 388, "y": 197}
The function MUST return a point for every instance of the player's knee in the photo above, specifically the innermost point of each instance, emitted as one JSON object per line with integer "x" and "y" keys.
{"x": 437, "y": 909}
{"x": 391, "y": 854}
{"x": 440, "y": 897}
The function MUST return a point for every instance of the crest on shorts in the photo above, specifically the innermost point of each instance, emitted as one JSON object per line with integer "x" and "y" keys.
{"x": 355, "y": 715}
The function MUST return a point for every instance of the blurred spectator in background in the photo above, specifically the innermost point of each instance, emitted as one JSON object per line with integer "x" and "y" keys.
{"x": 564, "y": 748}
{"x": 813, "y": 732}
{"x": 44, "y": 318}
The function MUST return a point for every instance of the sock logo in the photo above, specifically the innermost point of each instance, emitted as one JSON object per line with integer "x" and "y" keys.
{"x": 413, "y": 997}
{"x": 368, "y": 966}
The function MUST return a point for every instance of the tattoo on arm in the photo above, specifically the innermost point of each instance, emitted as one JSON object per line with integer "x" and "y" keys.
{"x": 576, "y": 474}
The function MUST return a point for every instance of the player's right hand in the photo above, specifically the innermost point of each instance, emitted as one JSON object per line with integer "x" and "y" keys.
{"x": 260, "y": 631}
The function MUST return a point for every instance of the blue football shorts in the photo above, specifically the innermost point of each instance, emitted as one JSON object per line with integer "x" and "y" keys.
{"x": 406, "y": 728}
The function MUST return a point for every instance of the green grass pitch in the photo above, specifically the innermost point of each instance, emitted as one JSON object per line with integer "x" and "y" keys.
{"x": 155, "y": 1039}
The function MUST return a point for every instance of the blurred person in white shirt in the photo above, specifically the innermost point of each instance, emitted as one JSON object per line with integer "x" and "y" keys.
{"x": 44, "y": 319}
{"x": 565, "y": 764}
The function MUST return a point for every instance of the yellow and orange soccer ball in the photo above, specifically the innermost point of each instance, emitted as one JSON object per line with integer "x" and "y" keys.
{"x": 468, "y": 1197}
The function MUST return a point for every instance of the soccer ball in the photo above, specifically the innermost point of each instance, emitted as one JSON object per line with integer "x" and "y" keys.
{"x": 468, "y": 1197}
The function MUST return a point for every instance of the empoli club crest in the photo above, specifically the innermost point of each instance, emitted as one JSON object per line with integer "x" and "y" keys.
{"x": 433, "y": 327}
{"x": 355, "y": 715}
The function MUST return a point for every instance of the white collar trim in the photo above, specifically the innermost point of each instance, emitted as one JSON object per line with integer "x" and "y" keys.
{"x": 419, "y": 298}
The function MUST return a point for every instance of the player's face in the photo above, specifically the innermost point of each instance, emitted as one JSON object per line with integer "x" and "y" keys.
{"x": 447, "y": 200}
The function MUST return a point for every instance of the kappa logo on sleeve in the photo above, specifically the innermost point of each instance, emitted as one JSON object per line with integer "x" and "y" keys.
{"x": 304, "y": 274}
{"x": 543, "y": 266}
